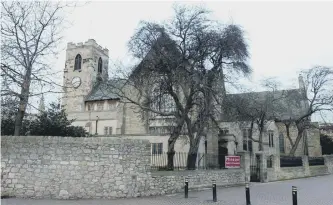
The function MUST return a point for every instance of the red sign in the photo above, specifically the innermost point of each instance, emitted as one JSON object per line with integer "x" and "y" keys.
{"x": 232, "y": 161}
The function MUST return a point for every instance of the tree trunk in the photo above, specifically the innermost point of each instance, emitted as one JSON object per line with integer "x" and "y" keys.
{"x": 24, "y": 98}
{"x": 298, "y": 139}
{"x": 261, "y": 130}
{"x": 19, "y": 117}
{"x": 171, "y": 154}
{"x": 193, "y": 152}
{"x": 192, "y": 158}
{"x": 171, "y": 144}
{"x": 288, "y": 134}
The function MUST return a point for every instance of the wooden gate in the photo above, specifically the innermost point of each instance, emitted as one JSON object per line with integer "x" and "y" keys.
{"x": 255, "y": 169}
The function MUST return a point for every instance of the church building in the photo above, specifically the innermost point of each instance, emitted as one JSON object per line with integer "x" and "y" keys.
{"x": 90, "y": 101}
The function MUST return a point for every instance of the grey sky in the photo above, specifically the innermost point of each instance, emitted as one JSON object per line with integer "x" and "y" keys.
{"x": 283, "y": 37}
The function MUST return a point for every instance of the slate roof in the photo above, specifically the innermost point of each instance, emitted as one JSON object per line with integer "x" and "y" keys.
{"x": 162, "y": 42}
{"x": 282, "y": 105}
{"x": 105, "y": 90}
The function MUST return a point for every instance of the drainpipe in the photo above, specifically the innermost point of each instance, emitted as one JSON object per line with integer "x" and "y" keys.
{"x": 96, "y": 125}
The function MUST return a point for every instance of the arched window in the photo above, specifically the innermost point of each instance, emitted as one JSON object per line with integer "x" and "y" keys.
{"x": 77, "y": 65}
{"x": 100, "y": 65}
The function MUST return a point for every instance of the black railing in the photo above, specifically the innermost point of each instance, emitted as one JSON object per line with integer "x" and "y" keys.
{"x": 203, "y": 161}
{"x": 291, "y": 161}
{"x": 315, "y": 161}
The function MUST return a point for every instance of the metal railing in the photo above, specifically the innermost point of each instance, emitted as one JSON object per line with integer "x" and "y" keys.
{"x": 315, "y": 161}
{"x": 159, "y": 162}
{"x": 291, "y": 161}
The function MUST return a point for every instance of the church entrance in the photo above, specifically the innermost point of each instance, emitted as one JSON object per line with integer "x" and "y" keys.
{"x": 255, "y": 168}
{"x": 223, "y": 151}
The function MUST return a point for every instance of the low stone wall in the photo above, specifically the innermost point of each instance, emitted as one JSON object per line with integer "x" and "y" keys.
{"x": 329, "y": 163}
{"x": 91, "y": 168}
{"x": 318, "y": 170}
{"x": 290, "y": 173}
{"x": 72, "y": 168}
{"x": 171, "y": 182}
{"x": 283, "y": 173}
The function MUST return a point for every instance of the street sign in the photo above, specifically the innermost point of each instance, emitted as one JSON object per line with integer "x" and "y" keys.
{"x": 232, "y": 161}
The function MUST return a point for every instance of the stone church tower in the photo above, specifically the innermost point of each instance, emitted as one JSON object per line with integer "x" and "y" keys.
{"x": 86, "y": 64}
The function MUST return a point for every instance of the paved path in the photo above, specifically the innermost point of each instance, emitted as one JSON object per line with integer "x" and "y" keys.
{"x": 311, "y": 191}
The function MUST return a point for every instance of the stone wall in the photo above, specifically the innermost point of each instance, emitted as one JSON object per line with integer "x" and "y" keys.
{"x": 318, "y": 170}
{"x": 63, "y": 167}
{"x": 170, "y": 182}
{"x": 100, "y": 167}
{"x": 329, "y": 163}
{"x": 283, "y": 173}
{"x": 290, "y": 173}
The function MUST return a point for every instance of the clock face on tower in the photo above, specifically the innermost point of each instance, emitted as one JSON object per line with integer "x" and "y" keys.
{"x": 76, "y": 82}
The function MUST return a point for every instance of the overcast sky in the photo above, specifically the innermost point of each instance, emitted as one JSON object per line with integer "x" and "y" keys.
{"x": 283, "y": 37}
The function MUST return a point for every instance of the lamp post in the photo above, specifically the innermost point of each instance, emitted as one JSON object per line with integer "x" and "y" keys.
{"x": 96, "y": 124}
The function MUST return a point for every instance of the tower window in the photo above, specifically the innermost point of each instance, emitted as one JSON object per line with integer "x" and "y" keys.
{"x": 78, "y": 60}
{"x": 100, "y": 63}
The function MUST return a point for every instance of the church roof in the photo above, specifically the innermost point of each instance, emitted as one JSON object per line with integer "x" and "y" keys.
{"x": 165, "y": 43}
{"x": 278, "y": 105}
{"x": 104, "y": 90}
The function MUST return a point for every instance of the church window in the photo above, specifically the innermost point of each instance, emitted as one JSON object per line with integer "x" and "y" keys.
{"x": 107, "y": 130}
{"x": 224, "y": 131}
{"x": 247, "y": 143}
{"x": 90, "y": 107}
{"x": 112, "y": 105}
{"x": 100, "y": 63}
{"x": 157, "y": 148}
{"x": 99, "y": 106}
{"x": 78, "y": 60}
{"x": 281, "y": 143}
{"x": 271, "y": 138}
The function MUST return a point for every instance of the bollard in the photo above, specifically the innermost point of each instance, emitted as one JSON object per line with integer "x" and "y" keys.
{"x": 294, "y": 193}
{"x": 247, "y": 194}
{"x": 214, "y": 191}
{"x": 186, "y": 187}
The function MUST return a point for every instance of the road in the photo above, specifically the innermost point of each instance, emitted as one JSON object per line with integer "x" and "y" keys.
{"x": 311, "y": 191}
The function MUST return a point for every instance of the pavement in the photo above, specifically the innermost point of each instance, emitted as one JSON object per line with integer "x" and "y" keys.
{"x": 311, "y": 191}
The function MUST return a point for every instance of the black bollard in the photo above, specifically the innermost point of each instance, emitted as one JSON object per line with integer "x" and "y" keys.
{"x": 186, "y": 187}
{"x": 294, "y": 193}
{"x": 247, "y": 194}
{"x": 214, "y": 191}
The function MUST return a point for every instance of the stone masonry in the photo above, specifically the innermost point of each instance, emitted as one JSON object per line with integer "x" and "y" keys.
{"x": 277, "y": 173}
{"x": 91, "y": 168}
{"x": 172, "y": 182}
{"x": 67, "y": 168}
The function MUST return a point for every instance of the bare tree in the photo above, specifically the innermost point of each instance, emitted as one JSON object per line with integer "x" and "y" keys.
{"x": 317, "y": 97}
{"x": 30, "y": 32}
{"x": 255, "y": 110}
{"x": 181, "y": 62}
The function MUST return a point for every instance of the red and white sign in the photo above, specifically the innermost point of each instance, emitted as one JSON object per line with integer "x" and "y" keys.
{"x": 232, "y": 161}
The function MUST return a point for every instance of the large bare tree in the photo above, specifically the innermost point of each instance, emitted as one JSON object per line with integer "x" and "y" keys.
{"x": 316, "y": 92}
{"x": 255, "y": 110}
{"x": 181, "y": 62}
{"x": 31, "y": 31}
